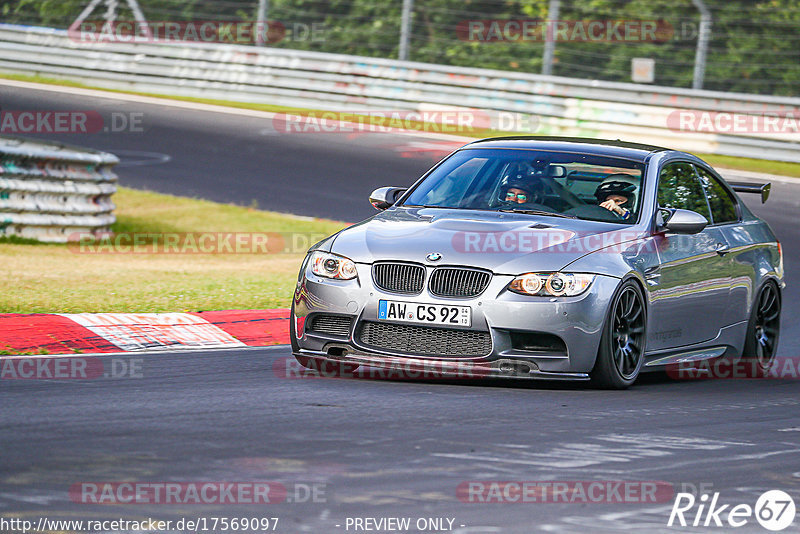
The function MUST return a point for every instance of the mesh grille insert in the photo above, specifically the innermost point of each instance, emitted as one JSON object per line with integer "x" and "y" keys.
{"x": 425, "y": 340}
{"x": 399, "y": 277}
{"x": 458, "y": 282}
{"x": 334, "y": 325}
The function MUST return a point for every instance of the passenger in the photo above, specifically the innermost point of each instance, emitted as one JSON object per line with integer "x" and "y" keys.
{"x": 617, "y": 196}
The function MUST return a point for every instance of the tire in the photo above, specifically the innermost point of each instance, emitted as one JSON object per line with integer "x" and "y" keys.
{"x": 763, "y": 331}
{"x": 621, "y": 353}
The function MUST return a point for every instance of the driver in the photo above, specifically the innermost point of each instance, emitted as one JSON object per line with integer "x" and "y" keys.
{"x": 617, "y": 195}
{"x": 523, "y": 190}
{"x": 518, "y": 194}
{"x": 521, "y": 185}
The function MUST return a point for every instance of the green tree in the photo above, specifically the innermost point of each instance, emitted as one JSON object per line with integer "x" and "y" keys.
{"x": 754, "y": 46}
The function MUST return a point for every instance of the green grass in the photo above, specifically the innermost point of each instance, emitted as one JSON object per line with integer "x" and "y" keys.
{"x": 66, "y": 279}
{"x": 17, "y": 240}
{"x": 228, "y": 103}
{"x": 730, "y": 162}
{"x": 778, "y": 168}
{"x": 12, "y": 352}
{"x": 71, "y": 279}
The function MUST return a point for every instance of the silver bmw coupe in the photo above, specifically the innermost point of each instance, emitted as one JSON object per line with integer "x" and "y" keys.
{"x": 554, "y": 258}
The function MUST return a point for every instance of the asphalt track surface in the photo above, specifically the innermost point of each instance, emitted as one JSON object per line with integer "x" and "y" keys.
{"x": 240, "y": 159}
{"x": 382, "y": 448}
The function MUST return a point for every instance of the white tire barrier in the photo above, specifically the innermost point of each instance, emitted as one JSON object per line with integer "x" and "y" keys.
{"x": 51, "y": 192}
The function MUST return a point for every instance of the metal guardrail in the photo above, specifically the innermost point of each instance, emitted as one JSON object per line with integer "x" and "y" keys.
{"x": 51, "y": 192}
{"x": 555, "y": 105}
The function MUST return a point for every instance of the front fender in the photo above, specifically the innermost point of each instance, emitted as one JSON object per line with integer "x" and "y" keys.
{"x": 632, "y": 258}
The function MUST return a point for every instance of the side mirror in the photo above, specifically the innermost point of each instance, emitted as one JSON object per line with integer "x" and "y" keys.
{"x": 385, "y": 197}
{"x": 680, "y": 221}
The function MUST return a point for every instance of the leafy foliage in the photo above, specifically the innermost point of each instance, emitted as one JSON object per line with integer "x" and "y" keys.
{"x": 754, "y": 45}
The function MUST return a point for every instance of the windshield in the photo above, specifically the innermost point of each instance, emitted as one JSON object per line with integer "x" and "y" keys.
{"x": 558, "y": 184}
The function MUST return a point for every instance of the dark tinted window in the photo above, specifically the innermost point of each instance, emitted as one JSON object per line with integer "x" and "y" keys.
{"x": 723, "y": 206}
{"x": 679, "y": 188}
{"x": 570, "y": 184}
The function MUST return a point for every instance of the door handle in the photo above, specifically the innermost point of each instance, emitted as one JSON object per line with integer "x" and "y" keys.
{"x": 722, "y": 248}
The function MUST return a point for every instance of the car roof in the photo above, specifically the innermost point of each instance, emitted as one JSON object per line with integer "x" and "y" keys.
{"x": 601, "y": 147}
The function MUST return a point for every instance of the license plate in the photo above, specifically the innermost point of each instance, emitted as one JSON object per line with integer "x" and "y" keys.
{"x": 414, "y": 312}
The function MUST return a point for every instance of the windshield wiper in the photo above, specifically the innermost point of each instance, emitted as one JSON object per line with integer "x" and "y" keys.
{"x": 539, "y": 212}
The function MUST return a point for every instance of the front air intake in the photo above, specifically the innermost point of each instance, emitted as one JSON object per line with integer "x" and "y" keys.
{"x": 403, "y": 278}
{"x": 331, "y": 325}
{"x": 459, "y": 282}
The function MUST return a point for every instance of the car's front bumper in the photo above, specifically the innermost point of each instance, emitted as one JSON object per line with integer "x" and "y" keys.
{"x": 576, "y": 321}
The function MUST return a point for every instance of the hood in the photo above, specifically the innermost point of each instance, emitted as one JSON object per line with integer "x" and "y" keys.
{"x": 504, "y": 243}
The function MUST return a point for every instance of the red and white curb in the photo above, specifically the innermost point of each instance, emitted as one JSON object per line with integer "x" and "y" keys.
{"x": 131, "y": 332}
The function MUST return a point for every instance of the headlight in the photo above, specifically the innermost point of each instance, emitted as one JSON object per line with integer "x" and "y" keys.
{"x": 551, "y": 284}
{"x": 333, "y": 266}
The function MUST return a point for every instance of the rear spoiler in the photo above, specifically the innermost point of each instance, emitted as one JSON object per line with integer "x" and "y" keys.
{"x": 744, "y": 187}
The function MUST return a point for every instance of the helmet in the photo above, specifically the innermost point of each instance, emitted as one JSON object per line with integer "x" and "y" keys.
{"x": 519, "y": 175}
{"x": 533, "y": 187}
{"x": 617, "y": 184}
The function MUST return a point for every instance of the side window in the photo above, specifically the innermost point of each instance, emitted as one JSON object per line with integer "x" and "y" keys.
{"x": 679, "y": 188}
{"x": 723, "y": 205}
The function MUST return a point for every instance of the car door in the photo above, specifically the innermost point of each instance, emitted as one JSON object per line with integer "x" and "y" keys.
{"x": 689, "y": 288}
{"x": 738, "y": 260}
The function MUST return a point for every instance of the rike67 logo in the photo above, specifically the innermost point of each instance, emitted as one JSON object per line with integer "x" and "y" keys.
{"x": 774, "y": 510}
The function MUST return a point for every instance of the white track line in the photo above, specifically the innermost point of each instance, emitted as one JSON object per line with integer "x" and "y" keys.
{"x": 138, "y": 353}
{"x": 97, "y": 93}
{"x": 732, "y": 173}
{"x": 197, "y": 106}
